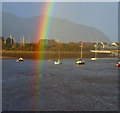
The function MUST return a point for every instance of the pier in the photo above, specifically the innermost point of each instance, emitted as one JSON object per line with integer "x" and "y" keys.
{"x": 116, "y": 52}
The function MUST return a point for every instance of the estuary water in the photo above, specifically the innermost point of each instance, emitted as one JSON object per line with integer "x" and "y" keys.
{"x": 35, "y": 85}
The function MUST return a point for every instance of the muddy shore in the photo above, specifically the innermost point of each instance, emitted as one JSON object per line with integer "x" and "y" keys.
{"x": 50, "y": 54}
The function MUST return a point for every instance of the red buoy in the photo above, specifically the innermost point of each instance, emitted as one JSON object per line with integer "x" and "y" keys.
{"x": 117, "y": 65}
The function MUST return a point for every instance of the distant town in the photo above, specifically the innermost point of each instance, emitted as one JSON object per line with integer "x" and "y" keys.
{"x": 9, "y": 44}
{"x": 27, "y": 49}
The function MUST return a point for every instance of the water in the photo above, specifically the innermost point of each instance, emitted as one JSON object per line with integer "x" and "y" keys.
{"x": 90, "y": 87}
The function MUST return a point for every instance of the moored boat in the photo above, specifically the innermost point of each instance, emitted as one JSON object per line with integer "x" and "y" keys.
{"x": 79, "y": 60}
{"x": 118, "y": 64}
{"x": 19, "y": 60}
{"x": 94, "y": 59}
{"x": 58, "y": 62}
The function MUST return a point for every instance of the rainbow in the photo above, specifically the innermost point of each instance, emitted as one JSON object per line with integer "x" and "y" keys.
{"x": 43, "y": 27}
{"x": 43, "y": 30}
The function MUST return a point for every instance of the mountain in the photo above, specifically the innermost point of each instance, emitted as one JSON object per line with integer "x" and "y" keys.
{"x": 65, "y": 30}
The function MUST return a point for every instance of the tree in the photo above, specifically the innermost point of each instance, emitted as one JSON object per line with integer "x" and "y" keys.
{"x": 9, "y": 40}
{"x": 2, "y": 38}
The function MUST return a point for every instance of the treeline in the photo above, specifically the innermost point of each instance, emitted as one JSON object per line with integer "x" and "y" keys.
{"x": 43, "y": 44}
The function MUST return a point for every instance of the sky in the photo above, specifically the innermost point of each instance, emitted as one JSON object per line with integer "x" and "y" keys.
{"x": 101, "y": 15}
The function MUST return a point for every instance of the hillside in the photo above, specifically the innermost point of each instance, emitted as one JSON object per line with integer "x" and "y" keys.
{"x": 65, "y": 30}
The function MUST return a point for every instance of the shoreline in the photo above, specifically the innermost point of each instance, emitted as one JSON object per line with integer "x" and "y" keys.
{"x": 6, "y": 57}
{"x": 51, "y": 55}
{"x": 14, "y": 58}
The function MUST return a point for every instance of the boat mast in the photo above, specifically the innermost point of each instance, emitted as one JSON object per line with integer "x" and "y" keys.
{"x": 58, "y": 48}
{"x": 59, "y": 52}
{"x": 81, "y": 50}
{"x": 23, "y": 41}
{"x": 95, "y": 50}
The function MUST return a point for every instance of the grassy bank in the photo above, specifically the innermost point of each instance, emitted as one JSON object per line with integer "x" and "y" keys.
{"x": 51, "y": 54}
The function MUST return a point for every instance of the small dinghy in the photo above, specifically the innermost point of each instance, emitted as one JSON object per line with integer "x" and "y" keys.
{"x": 19, "y": 60}
{"x": 118, "y": 64}
{"x": 94, "y": 59}
{"x": 58, "y": 62}
{"x": 80, "y": 62}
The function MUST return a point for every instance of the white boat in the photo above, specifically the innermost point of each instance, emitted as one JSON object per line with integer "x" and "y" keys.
{"x": 79, "y": 60}
{"x": 19, "y": 60}
{"x": 58, "y": 61}
{"x": 23, "y": 42}
{"x": 94, "y": 59}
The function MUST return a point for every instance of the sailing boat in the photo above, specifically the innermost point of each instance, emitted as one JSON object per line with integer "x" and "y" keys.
{"x": 20, "y": 58}
{"x": 94, "y": 59}
{"x": 79, "y": 60}
{"x": 58, "y": 61}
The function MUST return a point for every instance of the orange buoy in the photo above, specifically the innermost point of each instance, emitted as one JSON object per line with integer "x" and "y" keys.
{"x": 17, "y": 60}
